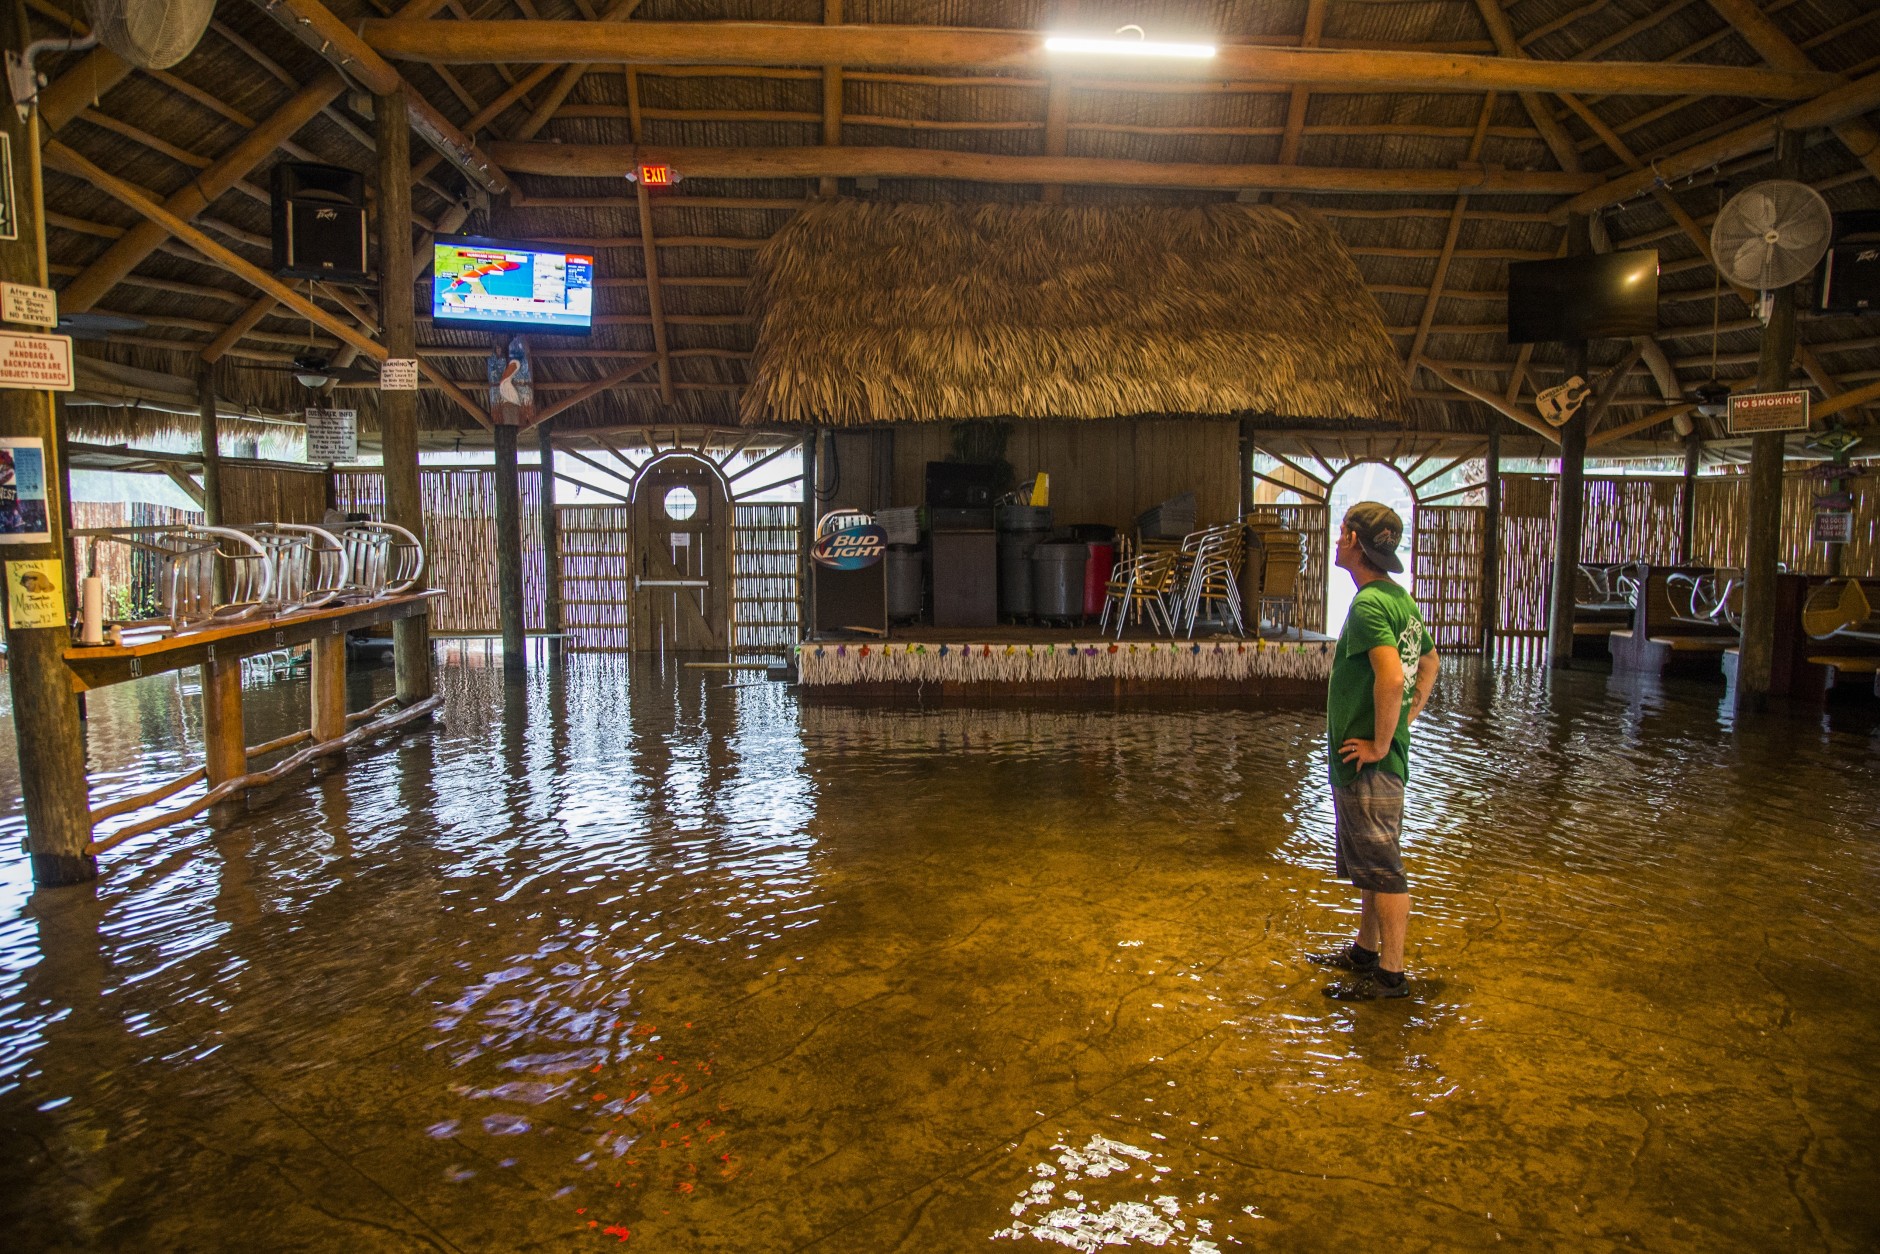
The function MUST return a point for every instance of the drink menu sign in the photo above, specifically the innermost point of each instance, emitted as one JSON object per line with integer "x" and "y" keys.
{"x": 1754, "y": 412}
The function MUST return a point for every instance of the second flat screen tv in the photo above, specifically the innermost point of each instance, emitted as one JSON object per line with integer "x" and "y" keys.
{"x": 1603, "y": 296}
{"x": 486, "y": 284}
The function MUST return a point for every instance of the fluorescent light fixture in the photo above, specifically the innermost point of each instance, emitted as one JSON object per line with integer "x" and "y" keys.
{"x": 1121, "y": 45}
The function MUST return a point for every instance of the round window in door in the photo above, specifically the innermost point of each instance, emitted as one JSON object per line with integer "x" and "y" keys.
{"x": 680, "y": 504}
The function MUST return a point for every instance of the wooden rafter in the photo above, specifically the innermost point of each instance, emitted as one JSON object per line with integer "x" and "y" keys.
{"x": 1449, "y": 243}
{"x": 601, "y": 161}
{"x": 143, "y": 239}
{"x": 878, "y": 46}
{"x": 1778, "y": 50}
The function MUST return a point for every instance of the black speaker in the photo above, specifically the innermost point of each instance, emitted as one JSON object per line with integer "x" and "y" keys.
{"x": 1850, "y": 277}
{"x": 319, "y": 222}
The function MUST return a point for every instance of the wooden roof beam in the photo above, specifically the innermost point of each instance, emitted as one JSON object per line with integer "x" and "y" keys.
{"x": 314, "y": 25}
{"x": 1507, "y": 409}
{"x": 882, "y": 46}
{"x": 1849, "y": 101}
{"x": 604, "y": 161}
{"x": 143, "y": 239}
{"x": 1779, "y": 51}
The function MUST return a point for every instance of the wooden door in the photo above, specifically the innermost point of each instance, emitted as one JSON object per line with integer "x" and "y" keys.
{"x": 681, "y": 542}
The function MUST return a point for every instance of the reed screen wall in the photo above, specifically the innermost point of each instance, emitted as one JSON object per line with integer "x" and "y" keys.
{"x": 596, "y": 567}
{"x": 252, "y": 494}
{"x": 1722, "y": 533}
{"x": 132, "y": 577}
{"x": 1448, "y": 573}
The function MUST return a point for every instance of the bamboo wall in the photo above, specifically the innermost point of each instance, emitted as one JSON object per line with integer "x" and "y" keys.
{"x": 1448, "y": 573}
{"x": 1313, "y": 523}
{"x": 460, "y": 539}
{"x": 596, "y": 575}
{"x": 132, "y": 577}
{"x": 1722, "y": 533}
{"x": 596, "y": 561}
{"x": 252, "y": 494}
{"x": 1102, "y": 470}
{"x": 766, "y": 606}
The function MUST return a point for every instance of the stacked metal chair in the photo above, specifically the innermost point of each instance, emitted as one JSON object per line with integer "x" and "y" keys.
{"x": 1213, "y": 557}
{"x": 1143, "y": 585}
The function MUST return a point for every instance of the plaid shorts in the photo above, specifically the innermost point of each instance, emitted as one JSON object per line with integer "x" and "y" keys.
{"x": 1368, "y": 815}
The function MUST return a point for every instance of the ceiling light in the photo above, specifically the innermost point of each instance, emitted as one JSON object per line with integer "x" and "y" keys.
{"x": 1128, "y": 41}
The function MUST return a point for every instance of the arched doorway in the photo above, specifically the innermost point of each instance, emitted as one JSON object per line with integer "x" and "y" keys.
{"x": 1367, "y": 481}
{"x": 681, "y": 558}
{"x": 1435, "y": 483}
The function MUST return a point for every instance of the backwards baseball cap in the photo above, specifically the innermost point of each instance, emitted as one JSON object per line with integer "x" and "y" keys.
{"x": 1379, "y": 531}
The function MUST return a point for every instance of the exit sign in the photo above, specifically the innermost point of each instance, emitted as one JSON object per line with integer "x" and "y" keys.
{"x": 656, "y": 174}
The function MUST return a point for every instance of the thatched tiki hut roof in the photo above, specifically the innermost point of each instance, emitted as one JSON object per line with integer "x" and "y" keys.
{"x": 877, "y": 312}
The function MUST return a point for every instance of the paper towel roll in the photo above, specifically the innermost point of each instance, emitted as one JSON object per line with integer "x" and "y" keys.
{"x": 91, "y": 603}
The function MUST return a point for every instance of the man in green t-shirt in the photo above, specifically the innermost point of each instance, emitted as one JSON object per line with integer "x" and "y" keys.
{"x": 1368, "y": 717}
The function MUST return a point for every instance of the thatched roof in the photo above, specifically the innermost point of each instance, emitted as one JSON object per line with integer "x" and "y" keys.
{"x": 1435, "y": 264}
{"x": 875, "y": 313}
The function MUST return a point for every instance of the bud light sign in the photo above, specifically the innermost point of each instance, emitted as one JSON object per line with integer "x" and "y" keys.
{"x": 848, "y": 540}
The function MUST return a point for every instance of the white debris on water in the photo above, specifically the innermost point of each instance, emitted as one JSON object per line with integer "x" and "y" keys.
{"x": 1089, "y": 1226}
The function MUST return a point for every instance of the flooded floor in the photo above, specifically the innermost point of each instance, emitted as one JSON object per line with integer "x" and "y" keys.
{"x": 618, "y": 955}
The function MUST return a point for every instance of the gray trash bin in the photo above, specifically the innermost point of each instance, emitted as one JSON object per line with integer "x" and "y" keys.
{"x": 1057, "y": 579}
{"x": 1015, "y": 549}
{"x": 906, "y": 580}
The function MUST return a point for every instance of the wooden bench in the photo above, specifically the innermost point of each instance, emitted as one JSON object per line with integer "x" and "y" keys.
{"x": 1658, "y": 642}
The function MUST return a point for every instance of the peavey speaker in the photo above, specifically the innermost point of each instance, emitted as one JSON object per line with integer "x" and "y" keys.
{"x": 1850, "y": 277}
{"x": 319, "y": 222}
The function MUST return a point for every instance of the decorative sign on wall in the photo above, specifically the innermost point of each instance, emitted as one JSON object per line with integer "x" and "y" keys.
{"x": 42, "y": 362}
{"x": 35, "y": 306}
{"x": 35, "y": 594}
{"x": 332, "y": 435}
{"x": 1753, "y": 412}
{"x": 23, "y": 513}
{"x": 398, "y": 374}
{"x": 848, "y": 539}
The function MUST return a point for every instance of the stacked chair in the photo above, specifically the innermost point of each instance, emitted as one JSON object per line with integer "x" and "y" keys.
{"x": 1142, "y": 585}
{"x": 1212, "y": 559}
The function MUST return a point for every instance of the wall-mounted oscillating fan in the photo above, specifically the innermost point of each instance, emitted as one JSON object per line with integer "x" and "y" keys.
{"x": 150, "y": 34}
{"x": 1771, "y": 235}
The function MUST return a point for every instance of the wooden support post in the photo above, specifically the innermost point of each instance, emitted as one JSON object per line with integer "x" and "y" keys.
{"x": 1491, "y": 540}
{"x": 509, "y": 549}
{"x": 1246, "y": 466}
{"x": 1687, "y": 498}
{"x": 224, "y": 737}
{"x": 329, "y": 687}
{"x": 1569, "y": 505}
{"x": 551, "y": 543}
{"x": 46, "y": 723}
{"x": 398, "y": 411}
{"x": 1755, "y": 668}
{"x": 211, "y": 446}
{"x": 805, "y": 537}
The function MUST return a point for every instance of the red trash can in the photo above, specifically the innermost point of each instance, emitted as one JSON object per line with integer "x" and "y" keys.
{"x": 1097, "y": 568}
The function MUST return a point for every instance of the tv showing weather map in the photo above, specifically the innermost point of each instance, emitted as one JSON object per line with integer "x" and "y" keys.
{"x": 482, "y": 283}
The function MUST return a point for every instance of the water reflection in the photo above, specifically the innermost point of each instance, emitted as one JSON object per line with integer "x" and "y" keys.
{"x": 621, "y": 949}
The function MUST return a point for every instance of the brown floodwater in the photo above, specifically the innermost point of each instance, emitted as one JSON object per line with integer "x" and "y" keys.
{"x": 623, "y": 954}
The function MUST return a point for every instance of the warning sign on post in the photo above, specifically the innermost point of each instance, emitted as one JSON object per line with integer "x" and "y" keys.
{"x": 1768, "y": 411}
{"x": 36, "y": 361}
{"x": 398, "y": 374}
{"x": 35, "y": 306}
{"x": 332, "y": 435}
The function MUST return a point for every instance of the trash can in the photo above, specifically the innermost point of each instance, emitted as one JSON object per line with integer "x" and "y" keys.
{"x": 1015, "y": 549}
{"x": 1097, "y": 576}
{"x": 906, "y": 580}
{"x": 1057, "y": 579}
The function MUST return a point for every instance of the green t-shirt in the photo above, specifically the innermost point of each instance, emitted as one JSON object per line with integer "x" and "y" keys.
{"x": 1382, "y": 613}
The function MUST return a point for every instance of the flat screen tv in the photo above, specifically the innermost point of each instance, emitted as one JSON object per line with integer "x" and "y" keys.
{"x": 489, "y": 284}
{"x": 1603, "y": 296}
